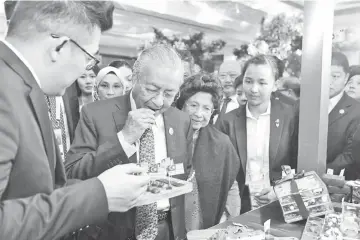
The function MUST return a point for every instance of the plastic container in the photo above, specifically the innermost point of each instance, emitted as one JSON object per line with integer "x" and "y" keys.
{"x": 313, "y": 193}
{"x": 350, "y": 221}
{"x": 312, "y": 228}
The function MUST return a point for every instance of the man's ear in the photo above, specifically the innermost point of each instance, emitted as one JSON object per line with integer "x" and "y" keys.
{"x": 57, "y": 47}
{"x": 275, "y": 87}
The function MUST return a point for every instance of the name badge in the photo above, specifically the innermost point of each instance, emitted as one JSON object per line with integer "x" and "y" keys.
{"x": 330, "y": 171}
{"x": 179, "y": 169}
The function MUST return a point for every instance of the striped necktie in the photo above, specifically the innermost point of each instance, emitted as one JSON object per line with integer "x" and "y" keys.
{"x": 57, "y": 123}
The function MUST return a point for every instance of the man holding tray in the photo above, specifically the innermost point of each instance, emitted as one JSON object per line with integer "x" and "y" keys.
{"x": 48, "y": 45}
{"x": 139, "y": 127}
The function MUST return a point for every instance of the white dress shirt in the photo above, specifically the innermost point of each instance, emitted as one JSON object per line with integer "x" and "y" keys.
{"x": 335, "y": 100}
{"x": 22, "y": 58}
{"x": 258, "y": 138}
{"x": 160, "y": 147}
{"x": 233, "y": 104}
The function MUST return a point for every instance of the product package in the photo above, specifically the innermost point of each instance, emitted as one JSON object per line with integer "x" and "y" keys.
{"x": 303, "y": 195}
{"x": 312, "y": 228}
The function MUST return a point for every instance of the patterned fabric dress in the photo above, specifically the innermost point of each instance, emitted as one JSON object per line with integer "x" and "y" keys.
{"x": 193, "y": 216}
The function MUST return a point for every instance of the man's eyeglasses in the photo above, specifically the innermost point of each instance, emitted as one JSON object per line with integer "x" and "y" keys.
{"x": 93, "y": 60}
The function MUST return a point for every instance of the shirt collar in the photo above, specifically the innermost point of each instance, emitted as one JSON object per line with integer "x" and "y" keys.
{"x": 22, "y": 58}
{"x": 158, "y": 119}
{"x": 233, "y": 97}
{"x": 335, "y": 100}
{"x": 249, "y": 114}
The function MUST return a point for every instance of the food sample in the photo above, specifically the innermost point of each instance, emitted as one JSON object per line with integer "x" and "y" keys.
{"x": 237, "y": 232}
{"x": 164, "y": 187}
{"x": 350, "y": 225}
{"x": 242, "y": 232}
{"x": 331, "y": 228}
{"x": 158, "y": 185}
{"x": 313, "y": 228}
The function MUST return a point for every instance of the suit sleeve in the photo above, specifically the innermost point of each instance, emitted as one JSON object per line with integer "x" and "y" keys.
{"x": 346, "y": 158}
{"x": 86, "y": 158}
{"x": 222, "y": 126}
{"x": 42, "y": 216}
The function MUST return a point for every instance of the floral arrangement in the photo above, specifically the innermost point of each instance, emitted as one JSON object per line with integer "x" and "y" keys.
{"x": 196, "y": 44}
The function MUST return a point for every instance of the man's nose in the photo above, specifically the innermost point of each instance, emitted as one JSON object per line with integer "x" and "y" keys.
{"x": 255, "y": 88}
{"x": 158, "y": 100}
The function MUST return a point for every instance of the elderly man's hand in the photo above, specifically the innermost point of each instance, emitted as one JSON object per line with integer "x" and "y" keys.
{"x": 123, "y": 189}
{"x": 137, "y": 122}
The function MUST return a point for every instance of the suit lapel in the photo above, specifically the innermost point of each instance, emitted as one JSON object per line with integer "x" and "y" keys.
{"x": 37, "y": 99}
{"x": 340, "y": 109}
{"x": 122, "y": 111}
{"x": 276, "y": 129}
{"x": 241, "y": 136}
{"x": 170, "y": 133}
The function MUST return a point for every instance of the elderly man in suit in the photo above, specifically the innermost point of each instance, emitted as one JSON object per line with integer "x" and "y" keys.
{"x": 114, "y": 131}
{"x": 48, "y": 45}
{"x": 344, "y": 120}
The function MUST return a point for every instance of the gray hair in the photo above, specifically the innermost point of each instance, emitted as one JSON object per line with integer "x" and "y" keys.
{"x": 162, "y": 54}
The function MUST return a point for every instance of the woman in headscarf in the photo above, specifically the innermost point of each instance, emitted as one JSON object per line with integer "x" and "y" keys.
{"x": 125, "y": 71}
{"x": 215, "y": 161}
{"x": 109, "y": 83}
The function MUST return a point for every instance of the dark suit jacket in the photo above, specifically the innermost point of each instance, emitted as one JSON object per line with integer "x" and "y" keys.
{"x": 283, "y": 139}
{"x": 344, "y": 120}
{"x": 71, "y": 105}
{"x": 96, "y": 148}
{"x": 283, "y": 98}
{"x": 31, "y": 166}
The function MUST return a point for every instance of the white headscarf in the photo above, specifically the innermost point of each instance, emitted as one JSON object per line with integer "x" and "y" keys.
{"x": 100, "y": 76}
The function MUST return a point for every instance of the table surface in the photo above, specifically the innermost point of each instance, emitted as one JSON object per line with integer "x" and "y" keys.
{"x": 256, "y": 219}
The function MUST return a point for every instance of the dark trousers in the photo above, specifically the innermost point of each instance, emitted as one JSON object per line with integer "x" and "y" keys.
{"x": 165, "y": 231}
{"x": 245, "y": 201}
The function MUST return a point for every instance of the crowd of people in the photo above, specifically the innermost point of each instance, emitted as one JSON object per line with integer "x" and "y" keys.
{"x": 72, "y": 134}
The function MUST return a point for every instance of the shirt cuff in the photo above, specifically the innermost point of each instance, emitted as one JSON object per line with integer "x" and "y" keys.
{"x": 129, "y": 149}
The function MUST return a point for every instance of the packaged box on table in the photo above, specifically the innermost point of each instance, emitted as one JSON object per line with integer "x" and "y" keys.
{"x": 303, "y": 195}
{"x": 313, "y": 228}
{"x": 350, "y": 222}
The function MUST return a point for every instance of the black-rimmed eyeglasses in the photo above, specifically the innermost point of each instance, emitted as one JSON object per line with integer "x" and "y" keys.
{"x": 93, "y": 60}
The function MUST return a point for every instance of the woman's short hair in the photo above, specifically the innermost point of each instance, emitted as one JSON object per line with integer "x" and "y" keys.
{"x": 119, "y": 64}
{"x": 201, "y": 83}
{"x": 262, "y": 59}
{"x": 354, "y": 70}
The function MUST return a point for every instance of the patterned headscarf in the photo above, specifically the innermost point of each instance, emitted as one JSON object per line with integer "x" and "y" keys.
{"x": 100, "y": 76}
